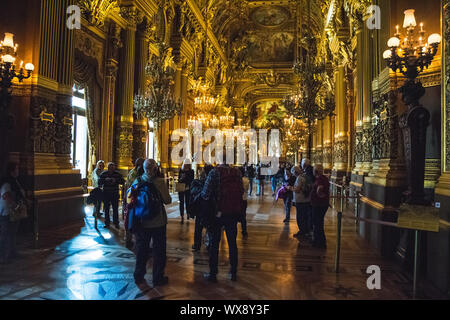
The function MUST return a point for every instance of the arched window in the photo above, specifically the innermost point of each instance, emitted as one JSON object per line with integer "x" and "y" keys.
{"x": 80, "y": 140}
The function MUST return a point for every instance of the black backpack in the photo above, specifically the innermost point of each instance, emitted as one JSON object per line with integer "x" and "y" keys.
{"x": 195, "y": 199}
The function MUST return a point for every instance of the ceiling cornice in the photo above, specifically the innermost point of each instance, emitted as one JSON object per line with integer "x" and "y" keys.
{"x": 209, "y": 33}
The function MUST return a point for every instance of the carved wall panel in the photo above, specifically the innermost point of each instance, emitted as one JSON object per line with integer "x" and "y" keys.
{"x": 340, "y": 150}
{"x": 385, "y": 130}
{"x": 359, "y": 147}
{"x": 63, "y": 134}
{"x": 124, "y": 143}
{"x": 42, "y": 125}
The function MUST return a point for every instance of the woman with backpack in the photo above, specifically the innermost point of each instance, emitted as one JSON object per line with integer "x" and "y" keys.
{"x": 12, "y": 210}
{"x": 185, "y": 178}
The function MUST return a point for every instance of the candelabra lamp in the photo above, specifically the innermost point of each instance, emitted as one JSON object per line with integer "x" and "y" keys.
{"x": 410, "y": 56}
{"x": 8, "y": 72}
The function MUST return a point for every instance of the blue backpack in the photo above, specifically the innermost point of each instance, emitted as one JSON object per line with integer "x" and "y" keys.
{"x": 148, "y": 203}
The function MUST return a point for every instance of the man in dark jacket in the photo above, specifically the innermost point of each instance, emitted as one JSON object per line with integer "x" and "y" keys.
{"x": 212, "y": 192}
{"x": 110, "y": 180}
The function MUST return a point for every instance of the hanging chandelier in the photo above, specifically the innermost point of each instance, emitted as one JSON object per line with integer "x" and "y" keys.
{"x": 304, "y": 103}
{"x": 157, "y": 102}
{"x": 226, "y": 121}
{"x": 205, "y": 103}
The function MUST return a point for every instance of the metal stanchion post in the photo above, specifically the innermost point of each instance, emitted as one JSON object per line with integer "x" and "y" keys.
{"x": 338, "y": 242}
{"x": 35, "y": 224}
{"x": 416, "y": 253}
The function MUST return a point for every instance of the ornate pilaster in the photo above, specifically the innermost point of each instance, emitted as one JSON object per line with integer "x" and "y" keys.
{"x": 341, "y": 146}
{"x": 114, "y": 44}
{"x": 140, "y": 132}
{"x": 140, "y": 135}
{"x": 124, "y": 132}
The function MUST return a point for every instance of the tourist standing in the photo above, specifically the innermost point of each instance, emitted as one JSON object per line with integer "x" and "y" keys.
{"x": 134, "y": 174}
{"x": 289, "y": 180}
{"x": 223, "y": 187}
{"x": 12, "y": 200}
{"x": 201, "y": 208}
{"x": 151, "y": 224}
{"x": 243, "y": 218}
{"x": 99, "y": 169}
{"x": 110, "y": 181}
{"x": 302, "y": 201}
{"x": 185, "y": 178}
{"x": 320, "y": 202}
{"x": 260, "y": 179}
{"x": 251, "y": 174}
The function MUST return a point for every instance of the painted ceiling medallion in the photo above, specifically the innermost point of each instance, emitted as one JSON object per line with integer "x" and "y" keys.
{"x": 270, "y": 16}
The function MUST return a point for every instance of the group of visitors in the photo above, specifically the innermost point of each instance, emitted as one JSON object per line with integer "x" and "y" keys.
{"x": 217, "y": 201}
{"x": 307, "y": 188}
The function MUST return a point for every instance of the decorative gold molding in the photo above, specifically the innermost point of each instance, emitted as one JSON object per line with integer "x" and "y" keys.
{"x": 377, "y": 205}
{"x": 47, "y": 117}
{"x": 359, "y": 185}
{"x": 56, "y": 191}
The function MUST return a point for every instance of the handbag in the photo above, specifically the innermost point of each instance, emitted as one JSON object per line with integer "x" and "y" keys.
{"x": 180, "y": 187}
{"x": 18, "y": 213}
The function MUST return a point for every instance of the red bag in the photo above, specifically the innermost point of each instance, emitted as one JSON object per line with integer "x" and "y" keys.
{"x": 231, "y": 191}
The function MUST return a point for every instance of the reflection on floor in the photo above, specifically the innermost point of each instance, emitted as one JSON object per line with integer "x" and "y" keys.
{"x": 79, "y": 262}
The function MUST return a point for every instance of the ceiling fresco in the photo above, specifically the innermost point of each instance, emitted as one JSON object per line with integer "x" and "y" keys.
{"x": 272, "y": 16}
{"x": 269, "y": 47}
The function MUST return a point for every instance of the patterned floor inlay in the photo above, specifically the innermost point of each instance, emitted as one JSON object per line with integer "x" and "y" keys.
{"x": 79, "y": 262}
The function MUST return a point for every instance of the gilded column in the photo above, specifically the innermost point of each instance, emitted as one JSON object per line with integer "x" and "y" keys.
{"x": 114, "y": 45}
{"x": 140, "y": 126}
{"x": 327, "y": 145}
{"x": 340, "y": 147}
{"x": 124, "y": 131}
{"x": 366, "y": 101}
{"x": 319, "y": 143}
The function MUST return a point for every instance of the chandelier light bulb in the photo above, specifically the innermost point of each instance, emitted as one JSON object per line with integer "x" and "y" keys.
{"x": 394, "y": 42}
{"x": 29, "y": 67}
{"x": 435, "y": 38}
{"x": 387, "y": 54}
{"x": 410, "y": 19}
{"x": 8, "y": 58}
{"x": 9, "y": 40}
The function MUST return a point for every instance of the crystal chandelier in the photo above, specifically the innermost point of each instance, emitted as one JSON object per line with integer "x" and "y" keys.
{"x": 226, "y": 121}
{"x": 303, "y": 104}
{"x": 205, "y": 103}
{"x": 157, "y": 102}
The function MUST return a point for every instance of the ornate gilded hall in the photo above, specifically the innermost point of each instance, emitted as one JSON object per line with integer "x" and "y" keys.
{"x": 358, "y": 87}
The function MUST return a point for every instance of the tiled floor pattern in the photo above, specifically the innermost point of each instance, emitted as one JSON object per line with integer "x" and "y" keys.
{"x": 82, "y": 263}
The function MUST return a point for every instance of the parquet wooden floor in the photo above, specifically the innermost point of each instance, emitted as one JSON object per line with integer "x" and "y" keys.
{"x": 79, "y": 262}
